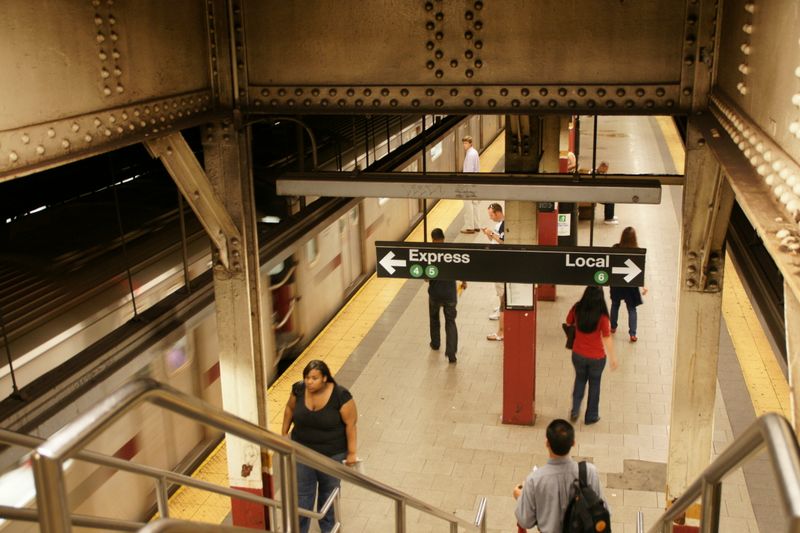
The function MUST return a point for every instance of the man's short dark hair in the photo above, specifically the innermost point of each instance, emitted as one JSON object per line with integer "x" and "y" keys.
{"x": 497, "y": 208}
{"x": 560, "y": 436}
{"x": 437, "y": 234}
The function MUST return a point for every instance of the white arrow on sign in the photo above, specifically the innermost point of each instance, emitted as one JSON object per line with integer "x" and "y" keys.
{"x": 630, "y": 271}
{"x": 389, "y": 262}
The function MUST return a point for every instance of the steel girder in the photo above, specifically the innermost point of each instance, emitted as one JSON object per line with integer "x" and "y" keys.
{"x": 82, "y": 78}
{"x": 550, "y": 56}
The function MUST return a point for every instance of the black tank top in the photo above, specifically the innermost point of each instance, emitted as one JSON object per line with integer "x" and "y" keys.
{"x": 323, "y": 431}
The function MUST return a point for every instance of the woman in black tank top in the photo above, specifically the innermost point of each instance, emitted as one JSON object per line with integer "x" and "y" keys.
{"x": 324, "y": 417}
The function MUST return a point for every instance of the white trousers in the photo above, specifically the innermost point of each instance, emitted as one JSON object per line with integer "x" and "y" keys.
{"x": 471, "y": 214}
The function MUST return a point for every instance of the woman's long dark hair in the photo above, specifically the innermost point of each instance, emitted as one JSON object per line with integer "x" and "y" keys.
{"x": 628, "y": 238}
{"x": 590, "y": 308}
{"x": 316, "y": 364}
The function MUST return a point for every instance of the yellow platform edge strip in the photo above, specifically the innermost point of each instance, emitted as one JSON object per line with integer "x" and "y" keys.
{"x": 766, "y": 383}
{"x": 350, "y": 326}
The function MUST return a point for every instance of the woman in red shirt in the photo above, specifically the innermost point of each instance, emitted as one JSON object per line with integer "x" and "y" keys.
{"x": 592, "y": 344}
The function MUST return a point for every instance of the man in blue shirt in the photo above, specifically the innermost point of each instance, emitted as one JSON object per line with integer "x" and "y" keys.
{"x": 543, "y": 499}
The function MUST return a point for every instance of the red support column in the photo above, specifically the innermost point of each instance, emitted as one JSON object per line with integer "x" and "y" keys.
{"x": 519, "y": 365}
{"x": 547, "y": 224}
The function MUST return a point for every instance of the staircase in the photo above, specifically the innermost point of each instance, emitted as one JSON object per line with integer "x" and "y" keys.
{"x": 48, "y": 459}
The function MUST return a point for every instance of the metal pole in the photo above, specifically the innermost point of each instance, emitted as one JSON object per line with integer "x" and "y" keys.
{"x": 366, "y": 142}
{"x": 594, "y": 176}
{"x": 712, "y": 495}
{"x": 51, "y": 499}
{"x": 122, "y": 238}
{"x": 424, "y": 171}
{"x": 388, "y": 137}
{"x": 161, "y": 497}
{"x": 355, "y": 152}
{"x": 290, "y": 517}
{"x": 15, "y": 392}
{"x": 184, "y": 246}
{"x": 399, "y": 516}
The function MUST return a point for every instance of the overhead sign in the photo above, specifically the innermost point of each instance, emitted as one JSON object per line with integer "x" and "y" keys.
{"x": 513, "y": 263}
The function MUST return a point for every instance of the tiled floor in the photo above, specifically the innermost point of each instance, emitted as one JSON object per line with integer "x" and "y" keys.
{"x": 433, "y": 430}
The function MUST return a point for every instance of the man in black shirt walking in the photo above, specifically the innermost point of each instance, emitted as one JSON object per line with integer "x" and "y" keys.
{"x": 443, "y": 293}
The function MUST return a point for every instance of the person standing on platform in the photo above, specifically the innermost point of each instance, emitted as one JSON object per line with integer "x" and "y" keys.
{"x": 497, "y": 235}
{"x": 608, "y": 209}
{"x": 324, "y": 417}
{"x": 443, "y": 294}
{"x": 592, "y": 345}
{"x": 471, "y": 164}
{"x": 543, "y": 499}
{"x": 630, "y": 295}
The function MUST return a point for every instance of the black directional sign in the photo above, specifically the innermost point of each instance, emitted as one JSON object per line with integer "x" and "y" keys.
{"x": 513, "y": 263}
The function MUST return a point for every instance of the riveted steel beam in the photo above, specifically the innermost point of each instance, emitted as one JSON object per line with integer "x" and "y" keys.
{"x": 479, "y": 186}
{"x": 185, "y": 169}
{"x": 760, "y": 173}
{"x": 707, "y": 201}
{"x": 620, "y": 99}
{"x": 35, "y": 148}
{"x": 481, "y": 57}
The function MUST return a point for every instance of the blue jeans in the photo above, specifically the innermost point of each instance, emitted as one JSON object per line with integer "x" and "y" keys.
{"x": 309, "y": 483}
{"x": 632, "y": 318}
{"x": 591, "y": 370}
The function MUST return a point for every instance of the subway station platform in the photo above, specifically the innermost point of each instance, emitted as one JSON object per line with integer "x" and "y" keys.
{"x": 434, "y": 430}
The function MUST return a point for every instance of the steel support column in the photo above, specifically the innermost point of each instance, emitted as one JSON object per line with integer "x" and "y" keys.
{"x": 707, "y": 201}
{"x": 791, "y": 316}
{"x": 239, "y": 312}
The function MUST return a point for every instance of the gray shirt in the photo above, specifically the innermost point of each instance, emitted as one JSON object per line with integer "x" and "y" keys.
{"x": 547, "y": 491}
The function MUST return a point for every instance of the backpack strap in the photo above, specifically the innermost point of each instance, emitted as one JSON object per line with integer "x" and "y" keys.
{"x": 582, "y": 473}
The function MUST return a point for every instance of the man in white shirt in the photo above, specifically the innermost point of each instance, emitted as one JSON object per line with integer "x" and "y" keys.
{"x": 497, "y": 235}
{"x": 471, "y": 164}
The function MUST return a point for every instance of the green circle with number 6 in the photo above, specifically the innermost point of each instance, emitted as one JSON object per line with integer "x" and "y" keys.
{"x": 601, "y": 277}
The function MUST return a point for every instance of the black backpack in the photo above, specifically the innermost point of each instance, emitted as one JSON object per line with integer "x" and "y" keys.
{"x": 586, "y": 512}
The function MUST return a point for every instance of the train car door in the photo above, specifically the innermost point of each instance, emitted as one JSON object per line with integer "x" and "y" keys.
{"x": 350, "y": 239}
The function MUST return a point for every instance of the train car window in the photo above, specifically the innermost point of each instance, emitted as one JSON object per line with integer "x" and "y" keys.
{"x": 312, "y": 250}
{"x": 177, "y": 357}
{"x": 436, "y": 151}
{"x": 277, "y": 269}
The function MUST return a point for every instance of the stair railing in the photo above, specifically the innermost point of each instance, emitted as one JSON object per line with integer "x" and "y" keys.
{"x": 770, "y": 430}
{"x": 162, "y": 479}
{"x": 49, "y": 457}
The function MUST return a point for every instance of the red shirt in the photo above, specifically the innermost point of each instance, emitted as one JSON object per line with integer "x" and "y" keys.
{"x": 590, "y": 345}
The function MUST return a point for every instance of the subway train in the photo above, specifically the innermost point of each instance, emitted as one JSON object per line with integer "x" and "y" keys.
{"x": 307, "y": 288}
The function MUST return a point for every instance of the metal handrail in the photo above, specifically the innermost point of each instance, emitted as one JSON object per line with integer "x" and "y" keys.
{"x": 159, "y": 475}
{"x": 48, "y": 458}
{"x": 770, "y": 430}
{"x": 95, "y": 522}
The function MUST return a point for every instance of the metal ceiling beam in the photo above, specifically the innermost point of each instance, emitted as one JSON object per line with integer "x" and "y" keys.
{"x": 34, "y": 148}
{"x": 755, "y": 166}
{"x": 176, "y": 155}
{"x": 614, "y": 188}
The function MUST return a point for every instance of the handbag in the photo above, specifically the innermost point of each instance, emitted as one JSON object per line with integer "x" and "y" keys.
{"x": 569, "y": 331}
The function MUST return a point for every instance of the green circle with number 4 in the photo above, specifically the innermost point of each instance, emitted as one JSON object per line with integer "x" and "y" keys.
{"x": 601, "y": 277}
{"x": 416, "y": 271}
{"x": 431, "y": 271}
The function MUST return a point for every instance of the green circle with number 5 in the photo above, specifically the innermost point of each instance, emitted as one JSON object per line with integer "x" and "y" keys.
{"x": 601, "y": 277}
{"x": 431, "y": 271}
{"x": 416, "y": 271}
